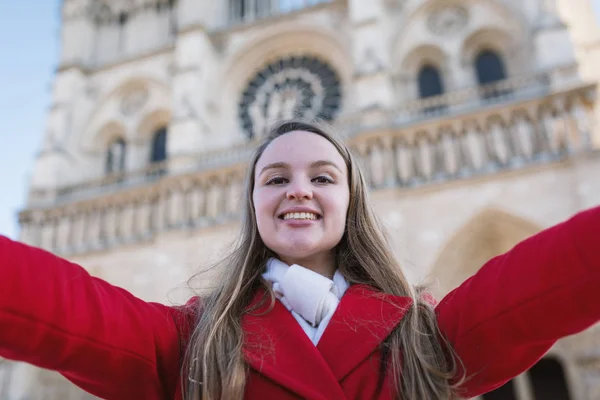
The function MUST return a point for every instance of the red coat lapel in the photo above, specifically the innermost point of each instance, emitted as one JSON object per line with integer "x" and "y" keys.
{"x": 363, "y": 319}
{"x": 277, "y": 347}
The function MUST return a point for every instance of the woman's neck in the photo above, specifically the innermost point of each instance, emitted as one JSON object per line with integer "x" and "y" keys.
{"x": 321, "y": 264}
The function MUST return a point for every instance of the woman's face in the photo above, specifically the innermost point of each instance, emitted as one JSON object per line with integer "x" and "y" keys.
{"x": 301, "y": 197}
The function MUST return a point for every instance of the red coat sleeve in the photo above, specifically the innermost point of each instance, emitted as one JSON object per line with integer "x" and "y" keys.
{"x": 54, "y": 315}
{"x": 503, "y": 319}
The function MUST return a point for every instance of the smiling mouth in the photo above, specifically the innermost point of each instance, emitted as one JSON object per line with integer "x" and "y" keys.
{"x": 300, "y": 216}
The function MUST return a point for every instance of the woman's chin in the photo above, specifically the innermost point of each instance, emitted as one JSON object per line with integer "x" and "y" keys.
{"x": 298, "y": 254}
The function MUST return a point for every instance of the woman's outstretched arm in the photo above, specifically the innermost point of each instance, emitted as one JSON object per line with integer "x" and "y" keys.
{"x": 54, "y": 315}
{"x": 505, "y": 317}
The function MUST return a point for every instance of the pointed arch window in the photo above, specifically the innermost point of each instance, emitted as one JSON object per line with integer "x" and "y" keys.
{"x": 490, "y": 69}
{"x": 158, "y": 152}
{"x": 115, "y": 157}
{"x": 430, "y": 81}
{"x": 431, "y": 85}
{"x": 159, "y": 146}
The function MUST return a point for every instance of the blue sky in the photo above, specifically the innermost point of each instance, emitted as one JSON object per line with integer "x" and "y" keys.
{"x": 29, "y": 40}
{"x": 29, "y": 36}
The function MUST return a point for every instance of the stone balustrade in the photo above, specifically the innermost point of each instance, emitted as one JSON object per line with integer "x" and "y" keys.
{"x": 137, "y": 207}
{"x": 542, "y": 129}
{"x": 137, "y": 214}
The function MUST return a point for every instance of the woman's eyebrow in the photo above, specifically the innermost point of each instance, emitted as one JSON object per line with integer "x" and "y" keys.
{"x": 275, "y": 165}
{"x": 321, "y": 163}
{"x": 314, "y": 164}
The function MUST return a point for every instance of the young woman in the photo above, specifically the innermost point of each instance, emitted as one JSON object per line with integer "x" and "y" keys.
{"x": 312, "y": 305}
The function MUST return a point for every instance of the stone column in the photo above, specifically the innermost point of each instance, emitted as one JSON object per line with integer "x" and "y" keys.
{"x": 194, "y": 64}
{"x": 78, "y": 33}
{"x": 373, "y": 85}
{"x": 552, "y": 40}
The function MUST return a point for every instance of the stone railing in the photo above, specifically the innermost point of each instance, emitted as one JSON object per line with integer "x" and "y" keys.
{"x": 137, "y": 214}
{"x": 132, "y": 179}
{"x": 247, "y": 11}
{"x": 466, "y": 100}
{"x": 508, "y": 137}
{"x": 491, "y": 139}
{"x": 469, "y": 99}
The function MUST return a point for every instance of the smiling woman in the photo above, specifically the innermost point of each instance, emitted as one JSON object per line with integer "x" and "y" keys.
{"x": 301, "y": 204}
{"x": 312, "y": 304}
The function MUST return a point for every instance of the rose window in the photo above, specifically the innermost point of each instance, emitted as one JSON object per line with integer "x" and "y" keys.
{"x": 292, "y": 87}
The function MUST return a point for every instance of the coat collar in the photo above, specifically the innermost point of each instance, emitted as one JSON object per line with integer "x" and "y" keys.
{"x": 277, "y": 347}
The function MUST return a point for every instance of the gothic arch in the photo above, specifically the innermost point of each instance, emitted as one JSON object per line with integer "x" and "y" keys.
{"x": 490, "y": 233}
{"x": 265, "y": 48}
{"x": 416, "y": 32}
{"x": 150, "y": 123}
{"x": 111, "y": 131}
{"x": 506, "y": 45}
{"x": 424, "y": 55}
{"x": 129, "y": 102}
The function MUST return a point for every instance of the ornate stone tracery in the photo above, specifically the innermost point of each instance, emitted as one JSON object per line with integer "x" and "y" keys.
{"x": 295, "y": 86}
{"x": 448, "y": 19}
{"x": 134, "y": 100}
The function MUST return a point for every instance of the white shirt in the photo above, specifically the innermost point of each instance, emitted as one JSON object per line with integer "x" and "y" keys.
{"x": 311, "y": 297}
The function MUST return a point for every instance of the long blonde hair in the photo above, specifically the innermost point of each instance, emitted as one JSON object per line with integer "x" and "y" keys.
{"x": 214, "y": 367}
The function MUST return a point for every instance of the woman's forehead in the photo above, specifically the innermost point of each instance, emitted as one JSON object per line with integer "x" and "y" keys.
{"x": 300, "y": 148}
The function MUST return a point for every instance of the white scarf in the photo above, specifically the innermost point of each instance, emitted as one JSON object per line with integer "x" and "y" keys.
{"x": 311, "y": 297}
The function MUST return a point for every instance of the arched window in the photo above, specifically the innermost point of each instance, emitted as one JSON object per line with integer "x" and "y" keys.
{"x": 430, "y": 85}
{"x": 115, "y": 157}
{"x": 430, "y": 82}
{"x": 159, "y": 146}
{"x": 505, "y": 392}
{"x": 548, "y": 380}
{"x": 490, "y": 67}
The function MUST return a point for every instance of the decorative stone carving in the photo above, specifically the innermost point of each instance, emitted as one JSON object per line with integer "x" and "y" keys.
{"x": 583, "y": 127}
{"x": 524, "y": 137}
{"x": 424, "y": 157}
{"x": 133, "y": 101}
{"x": 474, "y": 148}
{"x": 404, "y": 164}
{"x": 554, "y": 129}
{"x": 448, "y": 19}
{"x": 370, "y": 63}
{"x": 296, "y": 86}
{"x": 497, "y": 136}
{"x": 449, "y": 152}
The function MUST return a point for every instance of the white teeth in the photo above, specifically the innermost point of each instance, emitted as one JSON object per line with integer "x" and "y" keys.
{"x": 300, "y": 215}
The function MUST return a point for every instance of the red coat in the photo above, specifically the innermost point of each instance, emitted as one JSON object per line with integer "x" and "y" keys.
{"x": 500, "y": 321}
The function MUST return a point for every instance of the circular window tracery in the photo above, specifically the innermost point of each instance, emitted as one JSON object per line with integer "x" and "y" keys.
{"x": 295, "y": 86}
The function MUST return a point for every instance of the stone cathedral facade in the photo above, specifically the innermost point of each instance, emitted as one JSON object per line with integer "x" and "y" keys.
{"x": 474, "y": 120}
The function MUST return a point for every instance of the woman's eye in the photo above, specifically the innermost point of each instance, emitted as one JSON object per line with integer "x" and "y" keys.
{"x": 278, "y": 180}
{"x": 323, "y": 179}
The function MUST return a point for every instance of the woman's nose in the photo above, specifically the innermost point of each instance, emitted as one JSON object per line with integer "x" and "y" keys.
{"x": 299, "y": 190}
